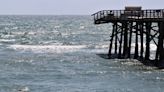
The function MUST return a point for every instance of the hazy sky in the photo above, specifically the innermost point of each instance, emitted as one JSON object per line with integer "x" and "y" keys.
{"x": 62, "y": 7}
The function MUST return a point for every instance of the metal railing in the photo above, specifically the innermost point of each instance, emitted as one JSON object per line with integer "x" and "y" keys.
{"x": 122, "y": 14}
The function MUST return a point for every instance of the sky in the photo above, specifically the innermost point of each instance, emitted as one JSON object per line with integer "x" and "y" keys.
{"x": 70, "y": 7}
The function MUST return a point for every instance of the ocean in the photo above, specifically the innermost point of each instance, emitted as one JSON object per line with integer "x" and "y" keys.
{"x": 61, "y": 54}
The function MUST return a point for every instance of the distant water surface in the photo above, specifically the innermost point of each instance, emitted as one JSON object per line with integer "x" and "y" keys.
{"x": 59, "y": 54}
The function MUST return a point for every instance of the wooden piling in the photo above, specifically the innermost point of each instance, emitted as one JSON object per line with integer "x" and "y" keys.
{"x": 120, "y": 48}
{"x": 111, "y": 41}
{"x": 157, "y": 51}
{"x": 161, "y": 43}
{"x": 148, "y": 28}
{"x": 125, "y": 46}
{"x": 141, "y": 36}
{"x": 136, "y": 42}
{"x": 130, "y": 38}
{"x": 116, "y": 37}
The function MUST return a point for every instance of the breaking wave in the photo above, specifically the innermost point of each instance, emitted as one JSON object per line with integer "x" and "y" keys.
{"x": 48, "y": 48}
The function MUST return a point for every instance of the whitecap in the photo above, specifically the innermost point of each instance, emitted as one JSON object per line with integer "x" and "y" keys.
{"x": 101, "y": 46}
{"x": 159, "y": 78}
{"x": 24, "y": 89}
{"x": 56, "y": 26}
{"x": 47, "y": 48}
{"x": 7, "y": 40}
{"x": 82, "y": 27}
{"x": 7, "y": 36}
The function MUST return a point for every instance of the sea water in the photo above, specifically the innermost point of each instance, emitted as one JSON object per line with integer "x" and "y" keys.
{"x": 60, "y": 54}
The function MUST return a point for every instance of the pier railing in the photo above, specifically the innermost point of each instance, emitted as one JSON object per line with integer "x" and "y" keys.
{"x": 128, "y": 14}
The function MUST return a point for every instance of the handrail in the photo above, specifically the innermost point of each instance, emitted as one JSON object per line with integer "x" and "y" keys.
{"x": 140, "y": 14}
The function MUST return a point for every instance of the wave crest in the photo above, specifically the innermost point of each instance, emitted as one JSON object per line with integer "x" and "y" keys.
{"x": 47, "y": 48}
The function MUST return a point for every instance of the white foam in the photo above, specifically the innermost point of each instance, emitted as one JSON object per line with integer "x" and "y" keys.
{"x": 82, "y": 27}
{"x": 96, "y": 51}
{"x": 153, "y": 47}
{"x": 101, "y": 46}
{"x": 47, "y": 48}
{"x": 25, "y": 89}
{"x": 56, "y": 26}
{"x": 7, "y": 36}
{"x": 7, "y": 40}
{"x": 60, "y": 48}
{"x": 7, "y": 24}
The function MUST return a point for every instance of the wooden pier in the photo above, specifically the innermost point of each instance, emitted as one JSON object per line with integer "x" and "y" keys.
{"x": 137, "y": 26}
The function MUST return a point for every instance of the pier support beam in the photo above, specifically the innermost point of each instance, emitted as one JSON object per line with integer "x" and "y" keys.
{"x": 116, "y": 37}
{"x": 136, "y": 42}
{"x": 130, "y": 38}
{"x": 111, "y": 41}
{"x": 160, "y": 64}
{"x": 157, "y": 51}
{"x": 121, "y": 37}
{"x": 141, "y": 36}
{"x": 125, "y": 46}
{"x": 148, "y": 29}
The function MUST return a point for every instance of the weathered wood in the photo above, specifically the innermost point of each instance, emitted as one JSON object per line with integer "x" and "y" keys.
{"x": 136, "y": 14}
{"x": 161, "y": 43}
{"x": 136, "y": 42}
{"x": 132, "y": 8}
{"x": 157, "y": 51}
{"x": 160, "y": 47}
{"x": 116, "y": 33}
{"x": 111, "y": 41}
{"x": 125, "y": 52}
{"x": 120, "y": 48}
{"x": 141, "y": 36}
{"x": 148, "y": 28}
{"x": 130, "y": 38}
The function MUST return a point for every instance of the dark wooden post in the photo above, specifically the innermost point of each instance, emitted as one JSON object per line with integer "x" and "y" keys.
{"x": 148, "y": 28}
{"x": 157, "y": 51}
{"x": 120, "y": 48}
{"x": 136, "y": 42}
{"x": 111, "y": 41}
{"x": 130, "y": 38}
{"x": 116, "y": 32}
{"x": 125, "y": 47}
{"x": 141, "y": 34}
{"x": 161, "y": 47}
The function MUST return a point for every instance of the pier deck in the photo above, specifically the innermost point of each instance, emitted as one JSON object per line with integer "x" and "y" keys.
{"x": 106, "y": 16}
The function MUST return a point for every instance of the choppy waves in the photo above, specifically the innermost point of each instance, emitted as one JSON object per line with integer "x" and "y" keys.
{"x": 47, "y": 48}
{"x": 58, "y": 54}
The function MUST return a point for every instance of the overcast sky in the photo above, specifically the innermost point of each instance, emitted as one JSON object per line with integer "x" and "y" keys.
{"x": 70, "y": 7}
